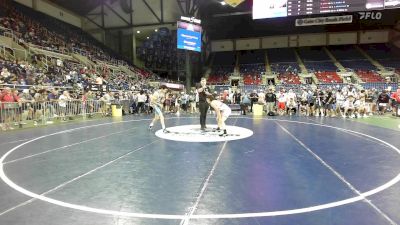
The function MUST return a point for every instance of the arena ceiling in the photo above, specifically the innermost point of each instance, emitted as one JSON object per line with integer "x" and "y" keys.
{"x": 117, "y": 14}
{"x": 78, "y": 6}
{"x": 224, "y": 22}
{"x": 219, "y": 21}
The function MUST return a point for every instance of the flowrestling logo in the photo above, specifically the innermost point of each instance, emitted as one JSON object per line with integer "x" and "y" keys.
{"x": 370, "y": 15}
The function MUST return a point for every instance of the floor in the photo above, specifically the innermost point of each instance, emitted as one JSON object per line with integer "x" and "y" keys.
{"x": 291, "y": 170}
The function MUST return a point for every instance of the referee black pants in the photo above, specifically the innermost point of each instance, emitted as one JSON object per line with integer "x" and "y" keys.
{"x": 203, "y": 108}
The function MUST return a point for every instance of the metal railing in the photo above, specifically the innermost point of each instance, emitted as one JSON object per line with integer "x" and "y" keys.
{"x": 22, "y": 87}
{"x": 7, "y": 50}
{"x": 31, "y": 113}
{"x": 49, "y": 51}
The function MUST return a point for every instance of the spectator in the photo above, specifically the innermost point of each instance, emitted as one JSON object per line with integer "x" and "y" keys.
{"x": 9, "y": 105}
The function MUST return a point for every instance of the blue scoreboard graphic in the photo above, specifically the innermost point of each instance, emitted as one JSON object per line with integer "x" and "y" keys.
{"x": 189, "y": 36}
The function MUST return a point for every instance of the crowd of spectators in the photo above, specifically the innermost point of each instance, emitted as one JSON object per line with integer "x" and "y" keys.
{"x": 39, "y": 29}
{"x": 345, "y": 101}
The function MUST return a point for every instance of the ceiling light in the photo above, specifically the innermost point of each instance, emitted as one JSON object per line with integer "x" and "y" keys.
{"x": 138, "y": 31}
{"x": 148, "y": 37}
{"x": 223, "y": 3}
{"x": 156, "y": 30}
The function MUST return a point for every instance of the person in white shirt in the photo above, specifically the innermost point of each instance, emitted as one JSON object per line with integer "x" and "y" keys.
{"x": 141, "y": 100}
{"x": 63, "y": 102}
{"x": 339, "y": 102}
{"x": 304, "y": 103}
{"x": 349, "y": 105}
{"x": 99, "y": 80}
{"x": 106, "y": 103}
{"x": 5, "y": 73}
{"x": 282, "y": 98}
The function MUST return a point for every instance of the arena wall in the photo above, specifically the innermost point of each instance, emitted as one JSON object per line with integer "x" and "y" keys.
{"x": 274, "y": 42}
{"x": 312, "y": 39}
{"x": 53, "y": 11}
{"x": 222, "y": 46}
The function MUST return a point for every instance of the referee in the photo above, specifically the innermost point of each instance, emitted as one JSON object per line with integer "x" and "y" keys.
{"x": 203, "y": 92}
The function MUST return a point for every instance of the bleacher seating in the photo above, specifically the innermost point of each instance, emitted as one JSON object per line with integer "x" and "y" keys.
{"x": 355, "y": 65}
{"x": 351, "y": 58}
{"x": 328, "y": 77}
{"x": 316, "y": 60}
{"x": 283, "y": 60}
{"x": 33, "y": 28}
{"x": 39, "y": 29}
{"x": 291, "y": 67}
{"x": 225, "y": 58}
{"x": 390, "y": 63}
{"x": 346, "y": 52}
{"x": 289, "y": 78}
{"x": 252, "y": 57}
{"x": 322, "y": 66}
{"x": 313, "y": 54}
{"x": 252, "y": 73}
{"x": 252, "y": 79}
{"x": 380, "y": 51}
{"x": 281, "y": 55}
{"x": 218, "y": 79}
{"x": 252, "y": 65}
{"x": 387, "y": 56}
{"x": 252, "y": 69}
{"x": 370, "y": 77}
{"x": 224, "y": 64}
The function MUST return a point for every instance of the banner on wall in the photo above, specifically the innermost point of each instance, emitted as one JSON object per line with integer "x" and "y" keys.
{"x": 324, "y": 20}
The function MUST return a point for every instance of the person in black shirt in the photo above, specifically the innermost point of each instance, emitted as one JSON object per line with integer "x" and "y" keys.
{"x": 383, "y": 102}
{"x": 270, "y": 99}
{"x": 203, "y": 92}
{"x": 329, "y": 103}
{"x": 237, "y": 97}
{"x": 319, "y": 102}
{"x": 254, "y": 99}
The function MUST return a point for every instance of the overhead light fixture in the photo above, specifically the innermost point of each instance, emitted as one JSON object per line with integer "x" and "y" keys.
{"x": 138, "y": 31}
{"x": 147, "y": 37}
{"x": 156, "y": 30}
{"x": 223, "y": 3}
{"x": 233, "y": 3}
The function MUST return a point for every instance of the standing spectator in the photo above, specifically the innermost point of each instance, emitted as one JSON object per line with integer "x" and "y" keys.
{"x": 254, "y": 99}
{"x": 184, "y": 101}
{"x": 106, "y": 103}
{"x": 63, "y": 102}
{"x": 319, "y": 102}
{"x": 395, "y": 102}
{"x": 282, "y": 98}
{"x": 245, "y": 103}
{"x": 141, "y": 101}
{"x": 27, "y": 100}
{"x": 303, "y": 102}
{"x": 237, "y": 97}
{"x": 330, "y": 102}
{"x": 340, "y": 99}
{"x": 192, "y": 102}
{"x": 8, "y": 105}
{"x": 270, "y": 99}
{"x": 52, "y": 97}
